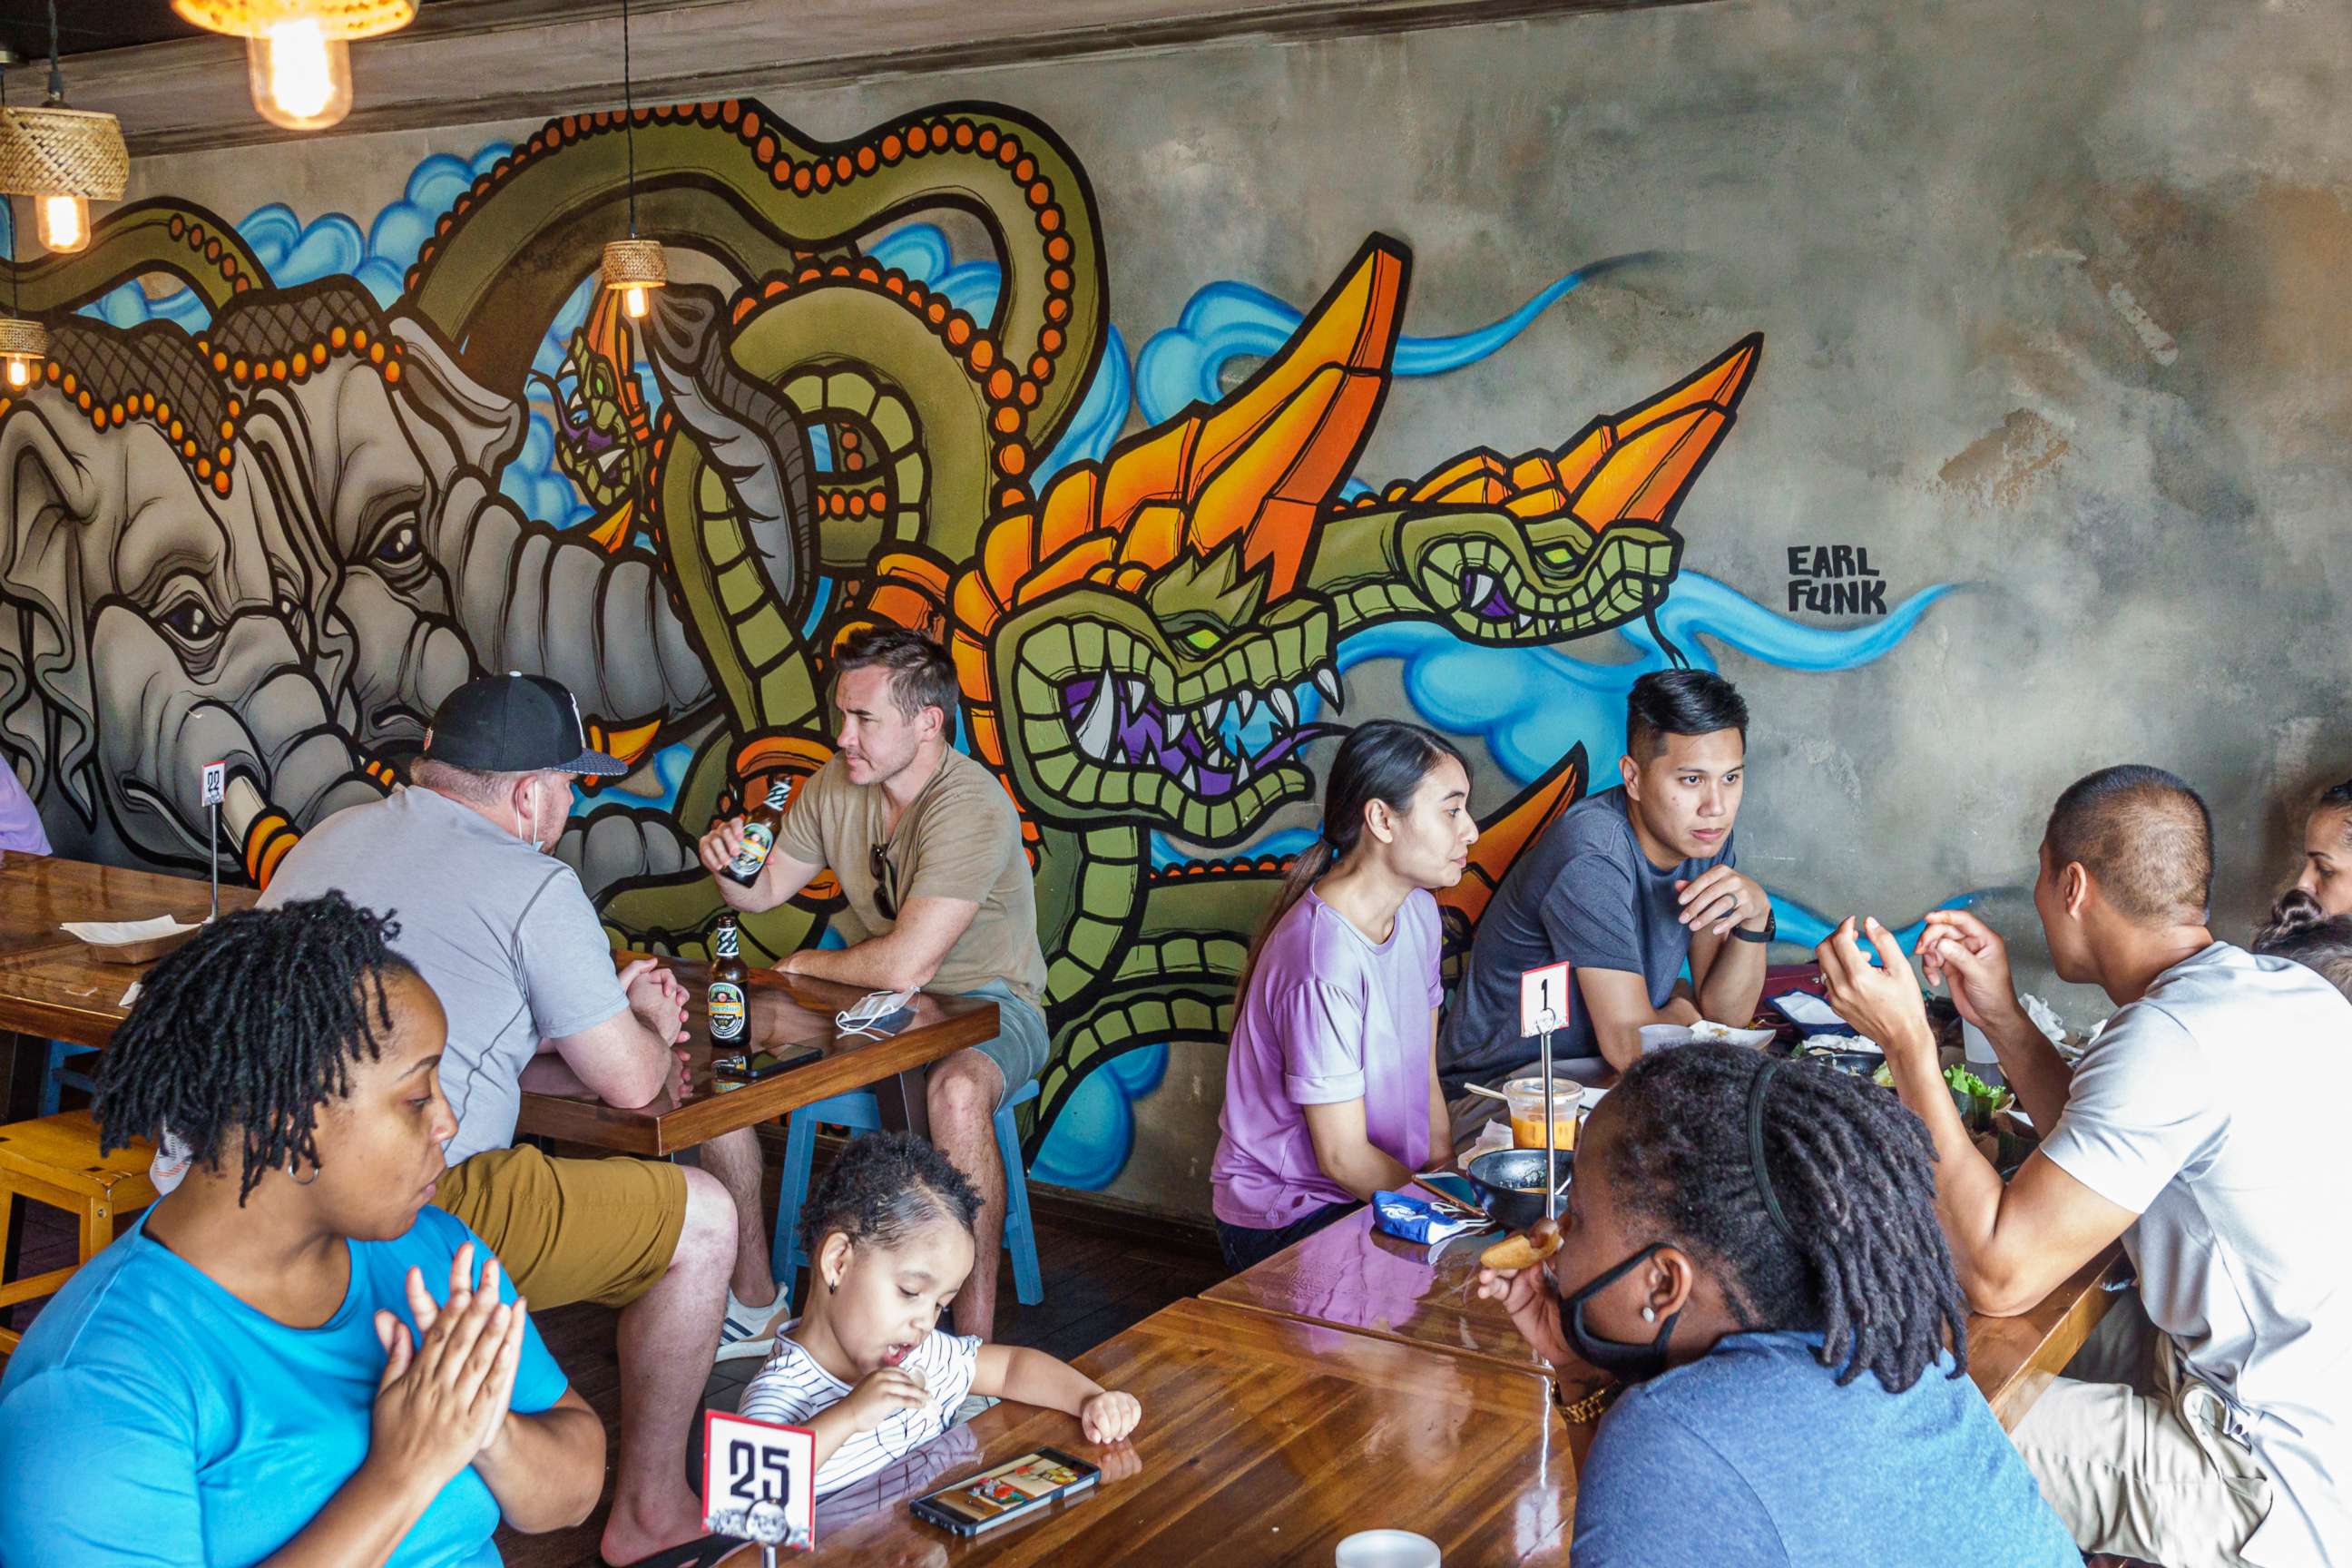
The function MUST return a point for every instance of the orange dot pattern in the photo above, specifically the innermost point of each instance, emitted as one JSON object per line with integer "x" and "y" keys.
{"x": 212, "y": 466}
{"x": 206, "y": 248}
{"x": 805, "y": 171}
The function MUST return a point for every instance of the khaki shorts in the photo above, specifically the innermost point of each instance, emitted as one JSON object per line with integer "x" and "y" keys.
{"x": 571, "y": 1230}
{"x": 2154, "y": 1475}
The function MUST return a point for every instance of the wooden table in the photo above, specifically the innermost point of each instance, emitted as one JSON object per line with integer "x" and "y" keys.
{"x": 38, "y": 893}
{"x": 785, "y": 1011}
{"x": 64, "y": 994}
{"x": 1265, "y": 1441}
{"x": 1350, "y": 1276}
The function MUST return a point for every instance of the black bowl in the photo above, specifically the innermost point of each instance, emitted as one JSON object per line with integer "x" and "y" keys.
{"x": 1510, "y": 1183}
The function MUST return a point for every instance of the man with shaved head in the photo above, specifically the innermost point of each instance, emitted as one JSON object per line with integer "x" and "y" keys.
{"x": 2205, "y": 1127}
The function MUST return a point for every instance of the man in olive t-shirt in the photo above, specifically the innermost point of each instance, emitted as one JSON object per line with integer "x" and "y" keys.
{"x": 927, "y": 847}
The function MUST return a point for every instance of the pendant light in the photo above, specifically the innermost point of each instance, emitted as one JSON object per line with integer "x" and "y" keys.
{"x": 62, "y": 158}
{"x": 633, "y": 266}
{"x": 297, "y": 53}
{"x": 24, "y": 343}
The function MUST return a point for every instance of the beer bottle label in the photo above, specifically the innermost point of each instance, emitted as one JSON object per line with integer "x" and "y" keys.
{"x": 758, "y": 840}
{"x": 725, "y": 1010}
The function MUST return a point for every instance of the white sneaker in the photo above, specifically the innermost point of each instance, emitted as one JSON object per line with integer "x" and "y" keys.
{"x": 751, "y": 1331}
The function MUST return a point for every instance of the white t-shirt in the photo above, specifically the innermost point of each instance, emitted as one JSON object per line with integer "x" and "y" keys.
{"x": 2214, "y": 1108}
{"x": 792, "y": 1389}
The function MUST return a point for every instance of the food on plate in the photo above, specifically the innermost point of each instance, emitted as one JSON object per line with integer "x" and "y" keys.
{"x": 1525, "y": 1250}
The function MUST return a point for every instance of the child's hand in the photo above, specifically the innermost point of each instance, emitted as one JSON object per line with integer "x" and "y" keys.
{"x": 1109, "y": 1417}
{"x": 882, "y": 1393}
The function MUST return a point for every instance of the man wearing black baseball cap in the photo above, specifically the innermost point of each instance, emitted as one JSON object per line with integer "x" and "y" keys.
{"x": 504, "y": 933}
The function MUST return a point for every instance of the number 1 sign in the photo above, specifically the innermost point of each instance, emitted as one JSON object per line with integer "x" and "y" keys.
{"x": 746, "y": 1463}
{"x": 1543, "y": 999}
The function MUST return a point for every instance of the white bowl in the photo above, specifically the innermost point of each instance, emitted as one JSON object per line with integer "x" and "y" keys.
{"x": 1664, "y": 1036}
{"x": 1387, "y": 1548}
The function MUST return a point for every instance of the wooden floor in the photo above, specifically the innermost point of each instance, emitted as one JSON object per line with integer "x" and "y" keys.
{"x": 1099, "y": 1277}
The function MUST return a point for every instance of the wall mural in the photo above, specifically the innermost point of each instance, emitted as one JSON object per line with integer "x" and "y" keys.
{"x": 299, "y": 480}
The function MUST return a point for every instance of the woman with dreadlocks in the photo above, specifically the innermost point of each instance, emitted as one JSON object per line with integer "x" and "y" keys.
{"x": 1750, "y": 1255}
{"x": 293, "y": 1356}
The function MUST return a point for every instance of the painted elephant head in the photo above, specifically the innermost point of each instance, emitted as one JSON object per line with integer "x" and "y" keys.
{"x": 133, "y": 533}
{"x": 387, "y": 456}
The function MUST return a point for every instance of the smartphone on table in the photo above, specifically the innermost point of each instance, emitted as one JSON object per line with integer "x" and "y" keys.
{"x": 1008, "y": 1492}
{"x": 750, "y": 1066}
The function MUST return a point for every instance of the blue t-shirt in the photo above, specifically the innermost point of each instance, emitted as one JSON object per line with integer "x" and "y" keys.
{"x": 1752, "y": 1457}
{"x": 151, "y": 1416}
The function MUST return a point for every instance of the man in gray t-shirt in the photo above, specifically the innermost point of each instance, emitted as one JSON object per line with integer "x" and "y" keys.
{"x": 2203, "y": 1127}
{"x": 1627, "y": 886}
{"x": 505, "y": 935}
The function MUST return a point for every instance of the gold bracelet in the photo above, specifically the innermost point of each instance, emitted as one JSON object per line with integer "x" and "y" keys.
{"x": 1590, "y": 1407}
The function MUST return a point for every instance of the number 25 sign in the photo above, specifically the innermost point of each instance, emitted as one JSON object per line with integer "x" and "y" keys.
{"x": 746, "y": 1462}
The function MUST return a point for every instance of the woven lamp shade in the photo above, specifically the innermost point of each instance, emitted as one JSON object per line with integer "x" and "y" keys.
{"x": 23, "y": 339}
{"x": 53, "y": 152}
{"x": 339, "y": 21}
{"x": 635, "y": 264}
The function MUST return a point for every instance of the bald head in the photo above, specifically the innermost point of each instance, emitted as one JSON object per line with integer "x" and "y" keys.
{"x": 2145, "y": 838}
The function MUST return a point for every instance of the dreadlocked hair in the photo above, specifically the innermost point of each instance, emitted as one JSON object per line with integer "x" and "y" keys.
{"x": 882, "y": 1189}
{"x": 248, "y": 1029}
{"x": 1855, "y": 1174}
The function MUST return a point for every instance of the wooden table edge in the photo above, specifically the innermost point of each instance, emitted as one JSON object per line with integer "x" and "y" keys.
{"x": 2023, "y": 1385}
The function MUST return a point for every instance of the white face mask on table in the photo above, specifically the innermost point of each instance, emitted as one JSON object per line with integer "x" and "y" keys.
{"x": 871, "y": 1010}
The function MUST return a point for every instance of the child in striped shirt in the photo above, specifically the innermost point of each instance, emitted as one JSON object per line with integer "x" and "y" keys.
{"x": 865, "y": 1366}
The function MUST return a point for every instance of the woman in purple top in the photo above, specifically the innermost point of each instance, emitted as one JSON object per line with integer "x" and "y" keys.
{"x": 1330, "y": 1088}
{"x": 20, "y": 825}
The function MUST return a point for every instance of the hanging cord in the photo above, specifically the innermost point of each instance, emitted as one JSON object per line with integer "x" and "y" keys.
{"x": 628, "y": 108}
{"x": 57, "y": 76}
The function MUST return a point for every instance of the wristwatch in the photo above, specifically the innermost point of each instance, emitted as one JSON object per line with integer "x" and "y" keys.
{"x": 1771, "y": 929}
{"x": 1589, "y": 1409}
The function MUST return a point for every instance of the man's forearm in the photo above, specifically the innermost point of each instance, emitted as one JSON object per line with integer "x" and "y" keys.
{"x": 1968, "y": 1188}
{"x": 877, "y": 964}
{"x": 1734, "y": 983}
{"x": 1621, "y": 1043}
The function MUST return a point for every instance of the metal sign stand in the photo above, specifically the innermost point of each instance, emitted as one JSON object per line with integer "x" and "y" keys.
{"x": 1551, "y": 1124}
{"x": 216, "y": 786}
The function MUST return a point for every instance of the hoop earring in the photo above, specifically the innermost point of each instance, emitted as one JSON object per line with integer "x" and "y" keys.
{"x": 296, "y": 1180}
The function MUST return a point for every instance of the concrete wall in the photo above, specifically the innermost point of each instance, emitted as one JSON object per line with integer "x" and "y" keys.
{"x": 2054, "y": 312}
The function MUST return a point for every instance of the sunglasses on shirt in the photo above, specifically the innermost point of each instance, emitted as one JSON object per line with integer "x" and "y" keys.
{"x": 886, "y": 881}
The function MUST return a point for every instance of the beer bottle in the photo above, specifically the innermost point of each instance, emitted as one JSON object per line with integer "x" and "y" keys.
{"x": 727, "y": 1003}
{"x": 759, "y": 835}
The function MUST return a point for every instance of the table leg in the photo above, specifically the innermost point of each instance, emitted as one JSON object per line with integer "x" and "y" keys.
{"x": 908, "y": 1109}
{"x": 28, "y": 1063}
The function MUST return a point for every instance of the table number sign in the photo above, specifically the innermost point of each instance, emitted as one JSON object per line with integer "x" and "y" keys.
{"x": 758, "y": 1482}
{"x": 1543, "y": 999}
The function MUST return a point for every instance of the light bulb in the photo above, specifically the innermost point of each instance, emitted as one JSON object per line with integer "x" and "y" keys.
{"x": 632, "y": 301}
{"x": 301, "y": 78}
{"x": 20, "y": 373}
{"x": 62, "y": 222}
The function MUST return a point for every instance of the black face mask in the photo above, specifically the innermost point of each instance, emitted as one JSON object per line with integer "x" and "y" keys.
{"x": 1627, "y": 1358}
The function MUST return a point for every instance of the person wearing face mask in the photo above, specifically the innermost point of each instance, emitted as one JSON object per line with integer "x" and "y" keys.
{"x": 505, "y": 934}
{"x": 937, "y": 895}
{"x": 1752, "y": 1286}
{"x": 1331, "y": 1084}
{"x": 1628, "y": 885}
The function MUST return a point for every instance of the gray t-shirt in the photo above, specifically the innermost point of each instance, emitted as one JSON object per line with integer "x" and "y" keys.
{"x": 1585, "y": 892}
{"x": 505, "y": 936}
{"x": 2214, "y": 1108}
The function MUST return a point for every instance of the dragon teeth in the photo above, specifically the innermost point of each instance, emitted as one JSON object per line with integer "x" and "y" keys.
{"x": 1099, "y": 723}
{"x": 1131, "y": 687}
{"x": 1327, "y": 681}
{"x": 1171, "y": 724}
{"x": 1476, "y": 588}
{"x": 1244, "y": 704}
{"x": 1284, "y": 708}
{"x": 1212, "y": 716}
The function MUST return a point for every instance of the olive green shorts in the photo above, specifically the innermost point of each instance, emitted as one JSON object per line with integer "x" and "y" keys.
{"x": 571, "y": 1230}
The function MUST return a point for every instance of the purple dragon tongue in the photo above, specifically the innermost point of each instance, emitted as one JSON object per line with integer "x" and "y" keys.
{"x": 1496, "y": 607}
{"x": 1075, "y": 694}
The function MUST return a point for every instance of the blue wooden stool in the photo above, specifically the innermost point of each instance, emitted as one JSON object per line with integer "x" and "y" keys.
{"x": 859, "y": 1112}
{"x": 58, "y": 1075}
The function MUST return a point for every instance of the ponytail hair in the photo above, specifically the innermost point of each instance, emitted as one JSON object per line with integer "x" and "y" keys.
{"x": 1384, "y": 759}
{"x": 2300, "y": 930}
